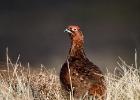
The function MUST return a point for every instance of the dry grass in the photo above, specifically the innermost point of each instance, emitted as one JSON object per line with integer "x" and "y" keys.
{"x": 125, "y": 85}
{"x": 19, "y": 83}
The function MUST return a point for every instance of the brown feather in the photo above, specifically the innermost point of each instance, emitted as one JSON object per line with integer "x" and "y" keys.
{"x": 85, "y": 76}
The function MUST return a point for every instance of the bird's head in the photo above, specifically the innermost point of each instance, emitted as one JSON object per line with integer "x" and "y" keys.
{"x": 74, "y": 32}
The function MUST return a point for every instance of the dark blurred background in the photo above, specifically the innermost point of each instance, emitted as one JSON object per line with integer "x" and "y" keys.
{"x": 34, "y": 29}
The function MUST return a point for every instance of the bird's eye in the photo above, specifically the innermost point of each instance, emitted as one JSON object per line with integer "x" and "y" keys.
{"x": 75, "y": 29}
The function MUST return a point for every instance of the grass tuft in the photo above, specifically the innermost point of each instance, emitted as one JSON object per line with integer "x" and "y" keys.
{"x": 20, "y": 83}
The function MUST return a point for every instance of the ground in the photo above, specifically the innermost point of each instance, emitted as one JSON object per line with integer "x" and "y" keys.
{"x": 24, "y": 83}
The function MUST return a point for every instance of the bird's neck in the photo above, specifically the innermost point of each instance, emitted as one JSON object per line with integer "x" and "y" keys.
{"x": 77, "y": 49}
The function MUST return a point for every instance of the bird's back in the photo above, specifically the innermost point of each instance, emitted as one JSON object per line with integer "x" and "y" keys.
{"x": 84, "y": 76}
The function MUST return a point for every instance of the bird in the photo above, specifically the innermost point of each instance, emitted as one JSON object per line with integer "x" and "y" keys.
{"x": 78, "y": 74}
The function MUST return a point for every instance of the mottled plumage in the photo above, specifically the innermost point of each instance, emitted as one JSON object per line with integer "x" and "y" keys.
{"x": 82, "y": 73}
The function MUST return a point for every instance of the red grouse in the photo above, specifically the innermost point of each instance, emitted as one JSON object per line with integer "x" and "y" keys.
{"x": 78, "y": 73}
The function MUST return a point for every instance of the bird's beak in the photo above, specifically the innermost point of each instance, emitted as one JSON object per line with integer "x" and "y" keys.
{"x": 66, "y": 30}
